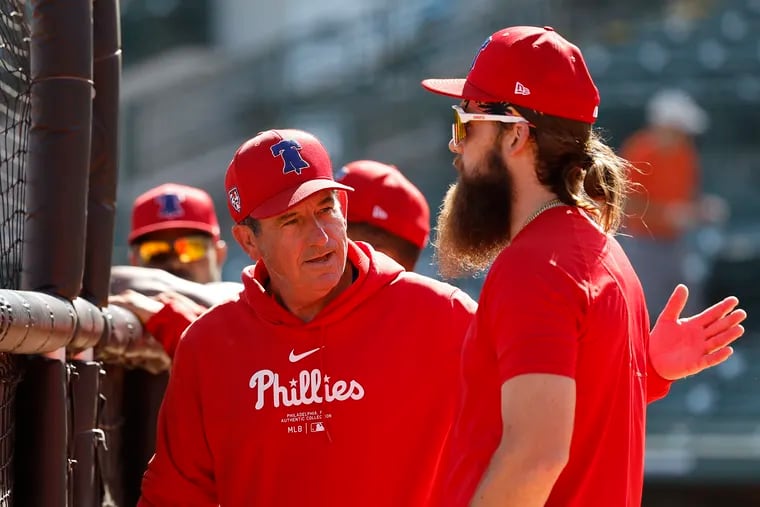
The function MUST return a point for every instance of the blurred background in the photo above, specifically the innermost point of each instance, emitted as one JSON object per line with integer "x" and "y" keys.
{"x": 201, "y": 76}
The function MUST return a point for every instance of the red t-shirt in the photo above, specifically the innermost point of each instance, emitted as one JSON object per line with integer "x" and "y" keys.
{"x": 350, "y": 409}
{"x": 561, "y": 299}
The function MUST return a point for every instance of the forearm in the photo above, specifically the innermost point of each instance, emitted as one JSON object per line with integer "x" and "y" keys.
{"x": 517, "y": 478}
{"x": 151, "y": 281}
{"x": 167, "y": 325}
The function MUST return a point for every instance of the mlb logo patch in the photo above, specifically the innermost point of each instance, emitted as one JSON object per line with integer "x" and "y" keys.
{"x": 234, "y": 197}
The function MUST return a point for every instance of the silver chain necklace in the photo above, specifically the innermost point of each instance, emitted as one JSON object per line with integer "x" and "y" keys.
{"x": 547, "y": 205}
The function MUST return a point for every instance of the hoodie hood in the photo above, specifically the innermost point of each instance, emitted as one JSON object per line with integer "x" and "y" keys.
{"x": 375, "y": 271}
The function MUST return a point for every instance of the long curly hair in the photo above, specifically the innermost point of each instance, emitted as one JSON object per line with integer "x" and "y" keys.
{"x": 575, "y": 163}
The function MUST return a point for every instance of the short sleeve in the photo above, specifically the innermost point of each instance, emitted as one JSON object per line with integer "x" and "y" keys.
{"x": 533, "y": 313}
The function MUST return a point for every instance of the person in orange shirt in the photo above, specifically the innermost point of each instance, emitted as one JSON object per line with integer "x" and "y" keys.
{"x": 665, "y": 202}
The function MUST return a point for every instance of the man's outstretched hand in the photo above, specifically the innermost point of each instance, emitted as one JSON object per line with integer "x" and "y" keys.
{"x": 679, "y": 347}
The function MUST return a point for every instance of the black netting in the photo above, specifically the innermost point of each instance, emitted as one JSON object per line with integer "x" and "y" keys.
{"x": 10, "y": 375}
{"x": 15, "y": 120}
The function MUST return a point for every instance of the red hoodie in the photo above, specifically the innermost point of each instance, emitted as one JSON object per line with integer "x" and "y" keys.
{"x": 350, "y": 409}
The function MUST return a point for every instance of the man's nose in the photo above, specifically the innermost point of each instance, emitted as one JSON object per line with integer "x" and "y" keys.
{"x": 317, "y": 233}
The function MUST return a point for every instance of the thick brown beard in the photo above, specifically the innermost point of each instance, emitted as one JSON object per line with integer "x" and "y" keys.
{"x": 473, "y": 225}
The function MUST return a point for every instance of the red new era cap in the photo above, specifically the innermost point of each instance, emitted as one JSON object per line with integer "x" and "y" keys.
{"x": 383, "y": 197}
{"x": 531, "y": 67}
{"x": 173, "y": 206}
{"x": 276, "y": 170}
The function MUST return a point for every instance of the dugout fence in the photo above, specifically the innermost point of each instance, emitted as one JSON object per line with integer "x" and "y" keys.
{"x": 62, "y": 347}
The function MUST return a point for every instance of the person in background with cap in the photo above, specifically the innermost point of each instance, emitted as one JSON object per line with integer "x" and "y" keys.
{"x": 666, "y": 202}
{"x": 386, "y": 210}
{"x": 559, "y": 364}
{"x": 328, "y": 381}
{"x": 174, "y": 229}
{"x": 175, "y": 246}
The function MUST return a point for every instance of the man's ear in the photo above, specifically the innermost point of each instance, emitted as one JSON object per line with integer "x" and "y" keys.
{"x": 247, "y": 241}
{"x": 518, "y": 138}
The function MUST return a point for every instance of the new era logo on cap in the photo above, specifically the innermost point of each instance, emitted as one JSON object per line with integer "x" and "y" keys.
{"x": 521, "y": 89}
{"x": 379, "y": 213}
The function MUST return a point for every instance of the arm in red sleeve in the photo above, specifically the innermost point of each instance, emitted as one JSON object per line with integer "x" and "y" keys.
{"x": 167, "y": 325}
{"x": 181, "y": 471}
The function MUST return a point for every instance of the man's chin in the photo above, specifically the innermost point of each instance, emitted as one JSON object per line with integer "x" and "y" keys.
{"x": 460, "y": 264}
{"x": 451, "y": 267}
{"x": 457, "y": 257}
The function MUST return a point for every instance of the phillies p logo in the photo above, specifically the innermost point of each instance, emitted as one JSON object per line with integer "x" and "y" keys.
{"x": 289, "y": 150}
{"x": 169, "y": 206}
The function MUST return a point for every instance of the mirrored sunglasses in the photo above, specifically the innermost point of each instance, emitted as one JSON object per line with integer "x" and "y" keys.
{"x": 186, "y": 249}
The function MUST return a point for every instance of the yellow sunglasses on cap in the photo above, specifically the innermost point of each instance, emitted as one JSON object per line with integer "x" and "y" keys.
{"x": 186, "y": 249}
{"x": 461, "y": 118}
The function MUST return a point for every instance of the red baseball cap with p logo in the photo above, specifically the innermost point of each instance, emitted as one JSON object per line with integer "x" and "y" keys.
{"x": 173, "y": 206}
{"x": 275, "y": 170}
{"x": 528, "y": 66}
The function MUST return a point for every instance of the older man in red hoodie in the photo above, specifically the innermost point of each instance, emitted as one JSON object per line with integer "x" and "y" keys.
{"x": 332, "y": 369}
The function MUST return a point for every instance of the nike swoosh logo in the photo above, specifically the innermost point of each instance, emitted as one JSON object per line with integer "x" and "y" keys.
{"x": 294, "y": 358}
